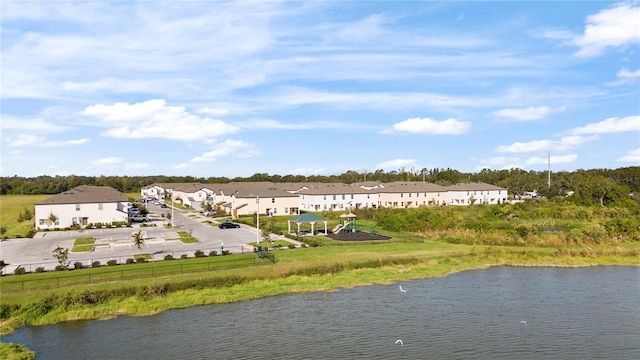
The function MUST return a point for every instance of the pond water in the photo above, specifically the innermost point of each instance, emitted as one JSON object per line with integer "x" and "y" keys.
{"x": 584, "y": 313}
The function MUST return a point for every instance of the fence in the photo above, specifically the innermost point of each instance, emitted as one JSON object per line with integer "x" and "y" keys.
{"x": 15, "y": 284}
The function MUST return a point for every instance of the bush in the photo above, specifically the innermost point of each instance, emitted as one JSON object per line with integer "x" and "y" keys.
{"x": 169, "y": 257}
{"x": 98, "y": 225}
{"x": 291, "y": 246}
{"x": 184, "y": 256}
{"x": 130, "y": 261}
{"x": 95, "y": 264}
{"x": 40, "y": 269}
{"x": 78, "y": 265}
{"x": 112, "y": 262}
{"x": 213, "y": 253}
{"x": 141, "y": 260}
{"x": 61, "y": 268}
{"x": 199, "y": 254}
{"x": 20, "y": 270}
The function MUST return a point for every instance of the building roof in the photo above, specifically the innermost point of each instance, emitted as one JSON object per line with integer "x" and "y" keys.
{"x": 86, "y": 194}
{"x": 410, "y": 186}
{"x": 479, "y": 186}
{"x": 307, "y": 217}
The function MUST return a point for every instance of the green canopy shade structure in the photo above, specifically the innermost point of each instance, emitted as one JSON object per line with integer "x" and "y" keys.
{"x": 306, "y": 218}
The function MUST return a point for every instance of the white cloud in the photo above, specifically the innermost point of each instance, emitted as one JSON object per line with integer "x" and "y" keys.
{"x": 611, "y": 125}
{"x": 632, "y": 156}
{"x": 108, "y": 161}
{"x": 525, "y": 114}
{"x": 565, "y": 143}
{"x": 556, "y": 159}
{"x": 430, "y": 127}
{"x": 156, "y": 119}
{"x": 41, "y": 141}
{"x": 616, "y": 26}
{"x": 396, "y": 164}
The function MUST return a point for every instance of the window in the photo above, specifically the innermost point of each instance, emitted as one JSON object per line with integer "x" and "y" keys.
{"x": 57, "y": 222}
{"x": 324, "y": 197}
{"x": 286, "y": 210}
{"x": 342, "y": 196}
{"x": 77, "y": 207}
{"x": 401, "y": 195}
{"x": 41, "y": 222}
{"x": 351, "y": 196}
{"x": 334, "y": 197}
{"x": 273, "y": 200}
{"x": 368, "y": 196}
{"x": 74, "y": 221}
{"x": 100, "y": 206}
{"x": 409, "y": 194}
{"x": 275, "y": 211}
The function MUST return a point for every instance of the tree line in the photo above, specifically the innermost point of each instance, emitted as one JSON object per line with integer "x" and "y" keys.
{"x": 589, "y": 187}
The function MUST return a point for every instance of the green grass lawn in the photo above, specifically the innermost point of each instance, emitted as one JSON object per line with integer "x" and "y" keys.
{"x": 11, "y": 206}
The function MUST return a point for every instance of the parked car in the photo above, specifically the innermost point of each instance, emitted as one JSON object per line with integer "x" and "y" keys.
{"x": 164, "y": 206}
{"x": 209, "y": 213}
{"x": 228, "y": 225}
{"x": 139, "y": 218}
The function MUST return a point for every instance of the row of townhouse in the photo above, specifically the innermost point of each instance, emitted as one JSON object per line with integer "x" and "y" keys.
{"x": 244, "y": 198}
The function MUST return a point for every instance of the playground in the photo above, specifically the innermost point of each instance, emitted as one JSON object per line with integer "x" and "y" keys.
{"x": 349, "y": 230}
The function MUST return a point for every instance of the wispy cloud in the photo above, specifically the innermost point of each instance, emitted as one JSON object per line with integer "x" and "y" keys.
{"x": 565, "y": 143}
{"x": 236, "y": 148}
{"x": 428, "y": 126}
{"x": 41, "y": 141}
{"x": 556, "y": 159}
{"x": 525, "y": 114}
{"x": 610, "y": 125}
{"x": 396, "y": 164}
{"x": 108, "y": 161}
{"x": 632, "y": 156}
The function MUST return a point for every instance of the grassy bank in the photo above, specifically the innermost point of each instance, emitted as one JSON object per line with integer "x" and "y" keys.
{"x": 297, "y": 271}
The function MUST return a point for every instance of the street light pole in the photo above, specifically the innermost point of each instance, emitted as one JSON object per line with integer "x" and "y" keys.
{"x": 258, "y": 219}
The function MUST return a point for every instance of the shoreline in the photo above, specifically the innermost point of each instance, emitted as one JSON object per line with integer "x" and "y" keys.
{"x": 296, "y": 283}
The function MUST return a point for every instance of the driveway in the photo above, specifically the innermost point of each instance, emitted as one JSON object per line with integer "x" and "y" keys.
{"x": 117, "y": 244}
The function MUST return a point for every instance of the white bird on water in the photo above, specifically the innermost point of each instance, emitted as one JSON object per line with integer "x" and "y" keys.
{"x": 402, "y": 290}
{"x": 523, "y": 323}
{"x": 399, "y": 342}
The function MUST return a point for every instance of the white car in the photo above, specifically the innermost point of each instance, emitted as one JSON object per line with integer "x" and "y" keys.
{"x": 139, "y": 218}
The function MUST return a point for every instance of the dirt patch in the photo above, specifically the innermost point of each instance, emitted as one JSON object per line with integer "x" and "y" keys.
{"x": 356, "y": 236}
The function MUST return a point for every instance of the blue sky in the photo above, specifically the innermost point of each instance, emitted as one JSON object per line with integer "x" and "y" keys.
{"x": 212, "y": 88}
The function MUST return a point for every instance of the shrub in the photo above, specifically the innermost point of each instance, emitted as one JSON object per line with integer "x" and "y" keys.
{"x": 78, "y": 265}
{"x": 130, "y": 261}
{"x": 112, "y": 262}
{"x": 40, "y": 269}
{"x": 213, "y": 253}
{"x": 291, "y": 246}
{"x": 141, "y": 260}
{"x": 169, "y": 257}
{"x": 98, "y": 225}
{"x": 20, "y": 270}
{"x": 95, "y": 264}
{"x": 184, "y": 256}
{"x": 199, "y": 254}
{"x": 61, "y": 268}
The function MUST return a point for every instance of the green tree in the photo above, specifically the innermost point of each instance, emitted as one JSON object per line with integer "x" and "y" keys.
{"x": 138, "y": 240}
{"x": 62, "y": 255}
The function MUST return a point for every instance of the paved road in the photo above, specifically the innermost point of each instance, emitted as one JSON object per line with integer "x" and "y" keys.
{"x": 118, "y": 243}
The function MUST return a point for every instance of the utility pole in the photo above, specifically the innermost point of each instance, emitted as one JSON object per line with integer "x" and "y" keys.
{"x": 258, "y": 219}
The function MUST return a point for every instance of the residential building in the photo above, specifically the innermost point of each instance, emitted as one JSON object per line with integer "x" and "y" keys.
{"x": 81, "y": 206}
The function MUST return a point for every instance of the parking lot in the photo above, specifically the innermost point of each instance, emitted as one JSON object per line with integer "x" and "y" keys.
{"x": 117, "y": 243}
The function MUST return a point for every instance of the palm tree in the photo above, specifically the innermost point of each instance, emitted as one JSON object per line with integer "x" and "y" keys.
{"x": 138, "y": 240}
